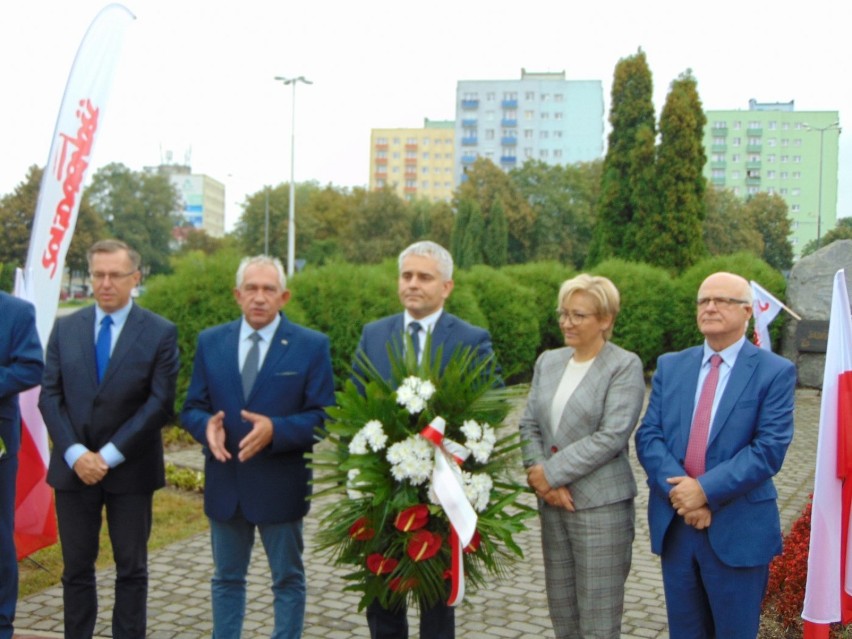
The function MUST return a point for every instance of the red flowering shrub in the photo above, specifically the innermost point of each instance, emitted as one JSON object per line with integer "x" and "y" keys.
{"x": 788, "y": 573}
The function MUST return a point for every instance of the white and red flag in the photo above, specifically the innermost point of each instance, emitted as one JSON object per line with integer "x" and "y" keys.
{"x": 766, "y": 308}
{"x": 77, "y": 127}
{"x": 828, "y": 594}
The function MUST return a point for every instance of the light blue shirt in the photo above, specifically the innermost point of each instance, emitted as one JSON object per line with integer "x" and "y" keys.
{"x": 729, "y": 358}
{"x": 267, "y": 333}
{"x": 112, "y": 456}
{"x": 427, "y": 325}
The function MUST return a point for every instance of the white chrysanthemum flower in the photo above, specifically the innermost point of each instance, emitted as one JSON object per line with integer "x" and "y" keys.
{"x": 427, "y": 389}
{"x": 471, "y": 430}
{"x": 413, "y": 394}
{"x": 415, "y": 405}
{"x": 480, "y": 440}
{"x": 375, "y": 434}
{"x": 358, "y": 445}
{"x": 411, "y": 459}
{"x": 477, "y": 488}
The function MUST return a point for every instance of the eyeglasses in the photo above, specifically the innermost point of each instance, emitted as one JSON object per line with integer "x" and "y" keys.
{"x": 720, "y": 302}
{"x": 573, "y": 317}
{"x": 99, "y": 276}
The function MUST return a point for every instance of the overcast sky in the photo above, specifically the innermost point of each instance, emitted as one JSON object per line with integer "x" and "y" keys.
{"x": 196, "y": 76}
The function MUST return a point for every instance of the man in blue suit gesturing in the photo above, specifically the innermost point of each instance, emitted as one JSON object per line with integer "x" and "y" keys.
{"x": 258, "y": 392}
{"x": 717, "y": 428}
{"x": 425, "y": 283}
{"x": 21, "y": 366}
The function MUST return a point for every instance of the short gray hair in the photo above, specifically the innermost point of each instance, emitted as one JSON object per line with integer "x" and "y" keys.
{"x": 437, "y": 252}
{"x": 262, "y": 260}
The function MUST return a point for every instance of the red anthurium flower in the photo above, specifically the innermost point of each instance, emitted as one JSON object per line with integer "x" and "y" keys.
{"x": 361, "y": 531}
{"x": 423, "y": 545}
{"x": 397, "y": 584}
{"x": 473, "y": 546}
{"x": 412, "y": 518}
{"x": 381, "y": 565}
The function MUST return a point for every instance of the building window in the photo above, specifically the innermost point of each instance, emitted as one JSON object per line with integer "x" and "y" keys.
{"x": 545, "y": 97}
{"x": 557, "y": 134}
{"x": 783, "y": 175}
{"x": 489, "y": 115}
{"x": 425, "y": 155}
{"x": 796, "y": 192}
{"x": 528, "y": 152}
{"x": 785, "y": 159}
{"x": 380, "y": 183}
{"x": 529, "y": 95}
{"x": 542, "y": 135}
{"x": 734, "y": 141}
{"x": 753, "y": 157}
{"x": 381, "y": 154}
{"x": 411, "y": 141}
{"x": 735, "y": 175}
{"x": 424, "y": 184}
{"x": 738, "y": 125}
{"x": 773, "y": 125}
{"x": 795, "y": 209}
{"x": 542, "y": 154}
{"x": 529, "y": 115}
{"x": 771, "y": 142}
{"x": 753, "y": 190}
{"x": 396, "y": 140}
{"x": 718, "y": 173}
{"x": 394, "y": 169}
{"x": 557, "y": 115}
{"x": 490, "y": 96}
{"x": 736, "y": 157}
{"x": 510, "y": 95}
{"x": 489, "y": 134}
{"x": 557, "y": 153}
{"x": 797, "y": 159}
{"x": 785, "y": 142}
{"x": 797, "y": 175}
{"x": 737, "y": 190}
{"x": 718, "y": 124}
{"x": 783, "y": 191}
{"x": 718, "y": 141}
{"x": 754, "y": 124}
{"x": 424, "y": 170}
{"x": 797, "y": 141}
{"x": 558, "y": 97}
{"x": 754, "y": 141}
{"x": 785, "y": 126}
{"x": 770, "y": 175}
{"x": 470, "y": 95}
{"x": 544, "y": 115}
{"x": 770, "y": 157}
{"x": 425, "y": 141}
{"x": 381, "y": 140}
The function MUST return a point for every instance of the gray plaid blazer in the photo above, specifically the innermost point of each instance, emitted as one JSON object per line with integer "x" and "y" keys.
{"x": 588, "y": 452}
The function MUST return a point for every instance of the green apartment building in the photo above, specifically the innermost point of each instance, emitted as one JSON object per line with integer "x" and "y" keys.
{"x": 773, "y": 148}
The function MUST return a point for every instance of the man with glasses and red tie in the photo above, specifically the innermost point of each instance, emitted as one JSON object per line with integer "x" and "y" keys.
{"x": 717, "y": 428}
{"x": 108, "y": 390}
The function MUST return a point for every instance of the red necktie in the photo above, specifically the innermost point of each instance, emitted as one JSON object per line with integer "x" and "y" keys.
{"x": 696, "y": 449}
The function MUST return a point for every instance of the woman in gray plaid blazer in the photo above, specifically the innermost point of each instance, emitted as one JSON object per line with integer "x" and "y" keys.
{"x": 584, "y": 403}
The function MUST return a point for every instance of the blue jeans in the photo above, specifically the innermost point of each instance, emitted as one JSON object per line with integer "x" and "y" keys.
{"x": 232, "y": 542}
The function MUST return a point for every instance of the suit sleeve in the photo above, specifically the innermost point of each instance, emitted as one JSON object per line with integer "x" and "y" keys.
{"x": 622, "y": 406}
{"x": 51, "y": 401}
{"x": 298, "y": 431}
{"x": 754, "y": 464}
{"x": 159, "y": 407}
{"x": 24, "y": 358}
{"x": 651, "y": 446}
{"x": 198, "y": 407}
{"x": 531, "y": 437}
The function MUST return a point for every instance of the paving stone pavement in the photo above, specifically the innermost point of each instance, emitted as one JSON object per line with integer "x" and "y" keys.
{"x": 514, "y": 606}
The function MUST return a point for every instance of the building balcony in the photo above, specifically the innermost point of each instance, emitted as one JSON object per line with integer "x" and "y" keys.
{"x": 754, "y": 148}
{"x": 410, "y": 189}
{"x": 719, "y": 148}
{"x": 410, "y": 147}
{"x": 751, "y": 131}
{"x": 509, "y": 141}
{"x": 719, "y": 131}
{"x": 381, "y": 175}
{"x": 468, "y": 159}
{"x": 469, "y": 141}
{"x": 753, "y": 165}
{"x": 469, "y": 123}
{"x": 508, "y": 160}
{"x": 381, "y": 160}
{"x": 469, "y": 105}
{"x": 381, "y": 147}
{"x": 509, "y": 104}
{"x": 718, "y": 164}
{"x": 509, "y": 123}
{"x": 752, "y": 181}
{"x": 718, "y": 181}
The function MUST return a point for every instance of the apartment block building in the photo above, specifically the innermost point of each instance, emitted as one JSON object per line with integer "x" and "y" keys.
{"x": 773, "y": 148}
{"x": 414, "y": 162}
{"x": 541, "y": 116}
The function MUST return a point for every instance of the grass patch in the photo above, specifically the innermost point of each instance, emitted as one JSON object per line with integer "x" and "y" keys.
{"x": 177, "y": 515}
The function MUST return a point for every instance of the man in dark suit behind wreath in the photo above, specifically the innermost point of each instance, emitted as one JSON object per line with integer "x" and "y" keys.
{"x": 425, "y": 282}
{"x": 108, "y": 390}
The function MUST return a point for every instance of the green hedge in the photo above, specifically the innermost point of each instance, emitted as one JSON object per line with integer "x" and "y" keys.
{"x": 516, "y": 303}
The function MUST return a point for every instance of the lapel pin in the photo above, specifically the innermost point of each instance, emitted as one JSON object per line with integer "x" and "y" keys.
{"x": 284, "y": 342}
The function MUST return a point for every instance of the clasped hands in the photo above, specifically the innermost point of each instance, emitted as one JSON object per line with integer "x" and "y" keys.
{"x": 258, "y": 438}
{"x": 90, "y": 468}
{"x": 688, "y": 499}
{"x": 559, "y": 497}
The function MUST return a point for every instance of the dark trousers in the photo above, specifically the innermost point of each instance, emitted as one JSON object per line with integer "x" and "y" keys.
{"x": 8, "y": 557}
{"x": 437, "y": 622}
{"x": 129, "y": 524}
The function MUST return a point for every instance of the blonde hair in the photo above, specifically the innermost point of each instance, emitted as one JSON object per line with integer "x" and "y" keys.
{"x": 606, "y": 299}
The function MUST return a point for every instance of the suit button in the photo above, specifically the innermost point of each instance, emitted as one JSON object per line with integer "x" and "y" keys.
{"x": 553, "y": 449}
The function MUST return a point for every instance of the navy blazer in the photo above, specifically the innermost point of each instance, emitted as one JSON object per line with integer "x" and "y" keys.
{"x": 293, "y": 387}
{"x": 128, "y": 408}
{"x": 21, "y": 364}
{"x": 751, "y": 430}
{"x": 450, "y": 333}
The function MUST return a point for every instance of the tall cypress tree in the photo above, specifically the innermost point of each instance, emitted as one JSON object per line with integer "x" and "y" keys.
{"x": 631, "y": 112}
{"x": 460, "y": 227}
{"x": 474, "y": 234}
{"x": 672, "y": 236}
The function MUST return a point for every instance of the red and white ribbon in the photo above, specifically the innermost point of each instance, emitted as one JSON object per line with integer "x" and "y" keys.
{"x": 448, "y": 485}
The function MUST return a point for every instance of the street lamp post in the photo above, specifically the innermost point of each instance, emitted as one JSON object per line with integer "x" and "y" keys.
{"x": 822, "y": 130}
{"x": 291, "y": 224}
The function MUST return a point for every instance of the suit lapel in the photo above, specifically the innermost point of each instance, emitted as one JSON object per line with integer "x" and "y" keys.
{"x": 84, "y": 328}
{"x": 687, "y": 373}
{"x": 133, "y": 327}
{"x": 741, "y": 373}
{"x": 279, "y": 348}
